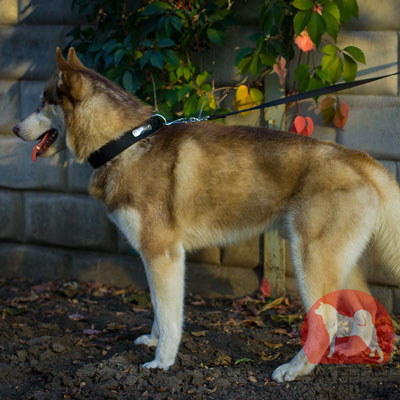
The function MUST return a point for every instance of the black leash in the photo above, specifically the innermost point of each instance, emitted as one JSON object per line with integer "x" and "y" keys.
{"x": 305, "y": 95}
{"x": 115, "y": 147}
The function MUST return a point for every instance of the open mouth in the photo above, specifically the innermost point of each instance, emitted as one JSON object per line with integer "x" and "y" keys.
{"x": 45, "y": 141}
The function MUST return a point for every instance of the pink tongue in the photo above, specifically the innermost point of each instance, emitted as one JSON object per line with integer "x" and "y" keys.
{"x": 37, "y": 147}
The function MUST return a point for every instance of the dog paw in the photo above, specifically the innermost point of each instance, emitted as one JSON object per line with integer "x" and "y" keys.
{"x": 157, "y": 364}
{"x": 148, "y": 340}
{"x": 299, "y": 366}
{"x": 284, "y": 373}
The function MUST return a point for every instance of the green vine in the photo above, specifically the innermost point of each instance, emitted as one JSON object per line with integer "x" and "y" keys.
{"x": 150, "y": 49}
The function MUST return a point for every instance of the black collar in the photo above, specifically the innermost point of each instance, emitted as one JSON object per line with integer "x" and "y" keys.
{"x": 115, "y": 147}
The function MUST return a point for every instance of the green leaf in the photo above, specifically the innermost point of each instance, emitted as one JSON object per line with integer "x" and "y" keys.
{"x": 316, "y": 27}
{"x": 244, "y": 65}
{"x": 303, "y": 4}
{"x": 335, "y": 70}
{"x": 348, "y": 9}
{"x": 157, "y": 59}
{"x": 356, "y": 53}
{"x": 190, "y": 106}
{"x": 176, "y": 23}
{"x": 201, "y": 78}
{"x": 166, "y": 42}
{"x": 186, "y": 73}
{"x": 255, "y": 66}
{"x": 118, "y": 56}
{"x": 267, "y": 58}
{"x": 172, "y": 98}
{"x": 130, "y": 82}
{"x": 145, "y": 58}
{"x": 328, "y": 60}
{"x": 332, "y": 9}
{"x": 183, "y": 91}
{"x": 242, "y": 53}
{"x": 268, "y": 21}
{"x": 315, "y": 83}
{"x": 146, "y": 43}
{"x": 332, "y": 25}
{"x": 330, "y": 49}
{"x": 301, "y": 71}
{"x": 349, "y": 68}
{"x": 171, "y": 58}
{"x": 157, "y": 7}
{"x": 300, "y": 21}
{"x": 243, "y": 360}
{"x": 215, "y": 36}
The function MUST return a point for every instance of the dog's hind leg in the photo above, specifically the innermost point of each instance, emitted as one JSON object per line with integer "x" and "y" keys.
{"x": 327, "y": 236}
{"x": 165, "y": 274}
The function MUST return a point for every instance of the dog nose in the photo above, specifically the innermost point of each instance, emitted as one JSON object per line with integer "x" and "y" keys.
{"x": 16, "y": 130}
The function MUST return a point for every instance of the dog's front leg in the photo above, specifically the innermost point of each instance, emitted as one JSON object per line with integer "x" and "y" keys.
{"x": 165, "y": 274}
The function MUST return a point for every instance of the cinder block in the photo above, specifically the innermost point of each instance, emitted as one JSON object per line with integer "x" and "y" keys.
{"x": 33, "y": 262}
{"x": 381, "y": 53}
{"x": 78, "y": 175}
{"x": 68, "y": 220}
{"x": 28, "y": 51}
{"x": 376, "y": 16}
{"x": 11, "y": 215}
{"x": 18, "y": 171}
{"x": 49, "y": 12}
{"x": 246, "y": 12}
{"x": 8, "y": 105}
{"x": 390, "y": 166}
{"x": 220, "y": 280}
{"x": 396, "y": 301}
{"x": 118, "y": 270}
{"x": 244, "y": 254}
{"x": 221, "y": 59}
{"x": 29, "y": 95}
{"x": 372, "y": 126}
{"x": 8, "y": 12}
{"x": 384, "y": 295}
{"x": 210, "y": 255}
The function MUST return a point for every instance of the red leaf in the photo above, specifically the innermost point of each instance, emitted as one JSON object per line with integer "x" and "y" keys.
{"x": 265, "y": 287}
{"x": 302, "y": 126}
{"x": 342, "y": 114}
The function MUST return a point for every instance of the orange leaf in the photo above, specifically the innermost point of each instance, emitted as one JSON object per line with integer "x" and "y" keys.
{"x": 304, "y": 41}
{"x": 327, "y": 109}
{"x": 342, "y": 113}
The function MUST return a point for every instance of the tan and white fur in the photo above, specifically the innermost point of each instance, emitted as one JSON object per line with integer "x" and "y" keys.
{"x": 194, "y": 185}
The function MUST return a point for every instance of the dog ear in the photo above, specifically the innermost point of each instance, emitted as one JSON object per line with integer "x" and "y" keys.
{"x": 73, "y": 59}
{"x": 69, "y": 78}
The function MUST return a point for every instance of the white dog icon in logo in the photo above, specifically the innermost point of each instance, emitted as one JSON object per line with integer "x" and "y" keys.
{"x": 340, "y": 325}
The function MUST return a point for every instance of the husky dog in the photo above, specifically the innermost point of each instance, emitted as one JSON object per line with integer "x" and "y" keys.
{"x": 193, "y": 185}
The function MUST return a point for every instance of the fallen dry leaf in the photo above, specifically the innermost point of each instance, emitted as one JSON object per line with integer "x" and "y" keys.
{"x": 198, "y": 333}
{"x": 273, "y": 304}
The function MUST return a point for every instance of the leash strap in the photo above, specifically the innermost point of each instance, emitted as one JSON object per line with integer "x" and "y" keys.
{"x": 305, "y": 95}
{"x": 113, "y": 148}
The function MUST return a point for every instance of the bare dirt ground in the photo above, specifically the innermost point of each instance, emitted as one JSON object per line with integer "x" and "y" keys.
{"x": 75, "y": 341}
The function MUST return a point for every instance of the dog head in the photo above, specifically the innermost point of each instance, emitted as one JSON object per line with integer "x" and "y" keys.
{"x": 79, "y": 109}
